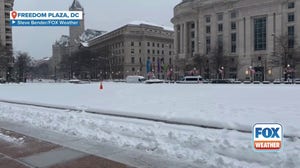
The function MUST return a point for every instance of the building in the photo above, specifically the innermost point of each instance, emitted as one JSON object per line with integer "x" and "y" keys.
{"x": 6, "y": 44}
{"x": 244, "y": 39}
{"x": 76, "y": 31}
{"x": 69, "y": 44}
{"x": 138, "y": 48}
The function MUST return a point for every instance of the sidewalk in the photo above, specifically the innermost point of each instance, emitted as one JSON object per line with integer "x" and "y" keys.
{"x": 80, "y": 150}
{"x": 21, "y": 151}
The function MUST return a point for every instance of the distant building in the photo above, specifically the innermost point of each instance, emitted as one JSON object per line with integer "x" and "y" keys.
{"x": 76, "y": 31}
{"x": 245, "y": 32}
{"x": 6, "y": 59}
{"x": 68, "y": 44}
{"x": 138, "y": 48}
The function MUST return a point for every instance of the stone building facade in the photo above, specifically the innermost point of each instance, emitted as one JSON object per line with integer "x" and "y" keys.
{"x": 138, "y": 48}
{"x": 6, "y": 42}
{"x": 248, "y": 34}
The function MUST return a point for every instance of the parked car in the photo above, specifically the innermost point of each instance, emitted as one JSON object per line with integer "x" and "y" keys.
{"x": 297, "y": 81}
{"x": 135, "y": 79}
{"x": 277, "y": 81}
{"x": 221, "y": 81}
{"x": 153, "y": 81}
{"x": 190, "y": 80}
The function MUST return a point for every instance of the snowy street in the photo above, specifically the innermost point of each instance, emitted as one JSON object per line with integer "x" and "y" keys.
{"x": 227, "y": 106}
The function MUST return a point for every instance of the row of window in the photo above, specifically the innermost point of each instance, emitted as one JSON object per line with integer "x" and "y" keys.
{"x": 162, "y": 60}
{"x": 220, "y": 27}
{"x": 233, "y": 14}
{"x": 162, "y": 45}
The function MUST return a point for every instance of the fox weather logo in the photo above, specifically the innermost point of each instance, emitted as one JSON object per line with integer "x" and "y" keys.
{"x": 267, "y": 137}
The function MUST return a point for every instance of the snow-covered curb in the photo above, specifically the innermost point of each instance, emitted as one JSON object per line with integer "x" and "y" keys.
{"x": 205, "y": 147}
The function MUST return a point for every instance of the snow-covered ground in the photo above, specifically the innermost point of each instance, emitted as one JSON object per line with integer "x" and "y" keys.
{"x": 8, "y": 138}
{"x": 228, "y": 106}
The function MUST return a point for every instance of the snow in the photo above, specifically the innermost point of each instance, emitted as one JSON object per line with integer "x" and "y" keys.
{"x": 198, "y": 146}
{"x": 63, "y": 41}
{"x": 89, "y": 34}
{"x": 11, "y": 139}
{"x": 151, "y": 24}
{"x": 228, "y": 106}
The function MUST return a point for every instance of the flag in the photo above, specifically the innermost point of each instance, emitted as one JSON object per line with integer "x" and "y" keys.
{"x": 148, "y": 65}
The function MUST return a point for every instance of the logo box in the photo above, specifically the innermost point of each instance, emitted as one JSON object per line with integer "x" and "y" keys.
{"x": 267, "y": 137}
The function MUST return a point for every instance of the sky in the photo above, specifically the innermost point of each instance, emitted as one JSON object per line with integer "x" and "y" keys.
{"x": 103, "y": 15}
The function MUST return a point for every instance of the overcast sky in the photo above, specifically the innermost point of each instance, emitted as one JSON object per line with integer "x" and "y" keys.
{"x": 99, "y": 14}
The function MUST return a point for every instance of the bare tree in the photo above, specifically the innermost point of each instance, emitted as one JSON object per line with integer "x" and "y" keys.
{"x": 22, "y": 66}
{"x": 285, "y": 54}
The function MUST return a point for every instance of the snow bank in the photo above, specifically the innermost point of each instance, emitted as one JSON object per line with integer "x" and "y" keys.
{"x": 11, "y": 139}
{"x": 198, "y": 146}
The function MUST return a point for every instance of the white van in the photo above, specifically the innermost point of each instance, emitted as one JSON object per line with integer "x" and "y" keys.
{"x": 135, "y": 79}
{"x": 190, "y": 80}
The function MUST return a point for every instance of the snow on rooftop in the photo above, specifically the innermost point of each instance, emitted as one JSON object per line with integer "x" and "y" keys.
{"x": 151, "y": 24}
{"x": 63, "y": 41}
{"x": 90, "y": 34}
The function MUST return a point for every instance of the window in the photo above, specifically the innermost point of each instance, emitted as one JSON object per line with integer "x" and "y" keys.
{"x": 220, "y": 27}
{"x": 148, "y": 51}
{"x": 291, "y": 36}
{"x": 162, "y": 45}
{"x": 170, "y": 61}
{"x": 157, "y": 45}
{"x": 132, "y": 43}
{"x": 220, "y": 16}
{"x": 207, "y": 18}
{"x": 260, "y": 34}
{"x": 291, "y": 17}
{"x": 233, "y": 37}
{"x": 148, "y": 44}
{"x": 208, "y": 40}
{"x": 233, "y": 42}
{"x": 140, "y": 60}
{"x": 163, "y": 52}
{"x": 233, "y": 25}
{"x": 140, "y": 51}
{"x": 132, "y": 60}
{"x": 153, "y": 51}
{"x": 233, "y": 15}
{"x": 207, "y": 44}
{"x": 132, "y": 51}
{"x": 291, "y": 5}
{"x": 157, "y": 51}
{"x": 220, "y": 42}
{"x": 192, "y": 25}
{"x": 153, "y": 59}
{"x": 192, "y": 34}
{"x": 133, "y": 69}
{"x": 170, "y": 52}
{"x": 207, "y": 29}
{"x": 153, "y": 44}
{"x": 140, "y": 43}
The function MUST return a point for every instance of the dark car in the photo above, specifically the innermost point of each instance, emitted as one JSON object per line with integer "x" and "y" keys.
{"x": 221, "y": 81}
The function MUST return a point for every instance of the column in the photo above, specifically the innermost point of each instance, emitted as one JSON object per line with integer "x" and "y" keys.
{"x": 197, "y": 40}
